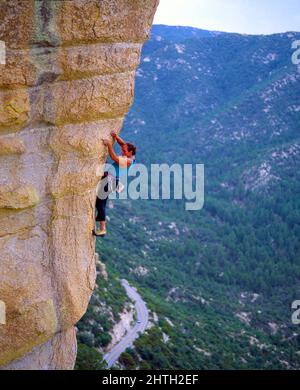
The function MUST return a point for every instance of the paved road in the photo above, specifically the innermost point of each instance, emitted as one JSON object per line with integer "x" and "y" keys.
{"x": 139, "y": 327}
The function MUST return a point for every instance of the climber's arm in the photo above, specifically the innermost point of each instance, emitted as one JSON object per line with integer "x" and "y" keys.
{"x": 123, "y": 162}
{"x": 117, "y": 138}
{"x": 111, "y": 151}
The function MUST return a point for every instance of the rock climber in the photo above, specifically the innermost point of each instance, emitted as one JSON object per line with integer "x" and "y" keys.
{"x": 110, "y": 180}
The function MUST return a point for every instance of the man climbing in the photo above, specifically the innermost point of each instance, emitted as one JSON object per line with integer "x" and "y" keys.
{"x": 110, "y": 181}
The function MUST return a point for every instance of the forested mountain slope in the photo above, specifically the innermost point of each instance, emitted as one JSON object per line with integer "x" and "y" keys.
{"x": 220, "y": 280}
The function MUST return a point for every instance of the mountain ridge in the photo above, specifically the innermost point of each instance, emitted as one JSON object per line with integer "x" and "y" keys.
{"x": 219, "y": 282}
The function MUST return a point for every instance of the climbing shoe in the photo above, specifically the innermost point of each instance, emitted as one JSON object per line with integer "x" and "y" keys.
{"x": 99, "y": 232}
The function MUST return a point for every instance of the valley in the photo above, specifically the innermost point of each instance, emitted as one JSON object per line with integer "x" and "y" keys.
{"x": 219, "y": 282}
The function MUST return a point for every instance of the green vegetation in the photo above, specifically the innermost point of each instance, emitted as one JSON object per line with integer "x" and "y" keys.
{"x": 103, "y": 312}
{"x": 220, "y": 280}
{"x": 88, "y": 358}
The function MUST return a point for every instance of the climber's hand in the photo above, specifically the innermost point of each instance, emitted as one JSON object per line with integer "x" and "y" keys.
{"x": 106, "y": 142}
{"x": 113, "y": 134}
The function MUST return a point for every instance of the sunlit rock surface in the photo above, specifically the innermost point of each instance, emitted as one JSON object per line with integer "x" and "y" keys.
{"x": 67, "y": 83}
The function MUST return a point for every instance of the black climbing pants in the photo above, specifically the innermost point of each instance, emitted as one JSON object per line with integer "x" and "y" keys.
{"x": 101, "y": 203}
{"x": 101, "y": 209}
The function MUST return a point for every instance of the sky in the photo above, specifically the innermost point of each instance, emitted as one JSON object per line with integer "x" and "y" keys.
{"x": 242, "y": 16}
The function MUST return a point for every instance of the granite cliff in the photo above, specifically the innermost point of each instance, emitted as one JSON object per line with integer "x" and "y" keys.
{"x": 68, "y": 81}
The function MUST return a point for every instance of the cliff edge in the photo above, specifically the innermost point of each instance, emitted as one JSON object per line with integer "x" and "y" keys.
{"x": 68, "y": 81}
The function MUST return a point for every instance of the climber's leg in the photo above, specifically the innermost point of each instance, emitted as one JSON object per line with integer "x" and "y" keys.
{"x": 101, "y": 210}
{"x": 101, "y": 216}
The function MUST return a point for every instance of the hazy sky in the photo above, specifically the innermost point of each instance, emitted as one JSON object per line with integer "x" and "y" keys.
{"x": 243, "y": 16}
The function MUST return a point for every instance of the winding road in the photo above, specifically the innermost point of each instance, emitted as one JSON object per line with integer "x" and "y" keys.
{"x": 140, "y": 326}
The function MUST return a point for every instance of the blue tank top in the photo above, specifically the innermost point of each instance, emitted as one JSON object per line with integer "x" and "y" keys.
{"x": 118, "y": 172}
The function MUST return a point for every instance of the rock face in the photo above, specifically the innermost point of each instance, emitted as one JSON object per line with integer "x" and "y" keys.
{"x": 67, "y": 83}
